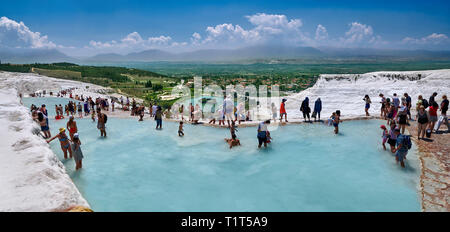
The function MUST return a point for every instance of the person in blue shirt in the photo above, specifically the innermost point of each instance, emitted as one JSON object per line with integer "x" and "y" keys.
{"x": 401, "y": 150}
{"x": 317, "y": 108}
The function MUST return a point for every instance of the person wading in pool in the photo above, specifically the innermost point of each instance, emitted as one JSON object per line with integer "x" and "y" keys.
{"x": 42, "y": 119}
{"x": 72, "y": 126}
{"x": 101, "y": 121}
{"x": 77, "y": 153}
{"x": 392, "y": 138}
{"x": 385, "y": 136}
{"x": 336, "y": 121}
{"x": 180, "y": 130}
{"x": 64, "y": 141}
{"x": 158, "y": 118}
{"x": 262, "y": 133}
{"x": 402, "y": 147}
{"x": 233, "y": 142}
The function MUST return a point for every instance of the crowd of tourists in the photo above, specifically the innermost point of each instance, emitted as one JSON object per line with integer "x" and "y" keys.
{"x": 396, "y": 111}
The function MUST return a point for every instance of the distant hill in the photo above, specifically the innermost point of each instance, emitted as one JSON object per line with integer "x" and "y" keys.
{"x": 33, "y": 55}
{"x": 271, "y": 53}
{"x": 255, "y": 52}
{"x": 383, "y": 53}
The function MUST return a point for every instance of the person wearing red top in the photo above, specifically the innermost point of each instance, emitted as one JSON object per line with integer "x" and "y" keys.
{"x": 432, "y": 110}
{"x": 283, "y": 111}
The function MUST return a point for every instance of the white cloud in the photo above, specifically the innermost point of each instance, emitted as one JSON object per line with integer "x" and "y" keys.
{"x": 267, "y": 28}
{"x": 17, "y": 35}
{"x": 361, "y": 35}
{"x": 272, "y": 23}
{"x": 321, "y": 33}
{"x": 431, "y": 39}
{"x": 134, "y": 42}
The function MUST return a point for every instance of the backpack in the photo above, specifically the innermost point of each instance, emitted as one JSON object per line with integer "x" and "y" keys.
{"x": 407, "y": 141}
{"x": 425, "y": 103}
{"x": 106, "y": 117}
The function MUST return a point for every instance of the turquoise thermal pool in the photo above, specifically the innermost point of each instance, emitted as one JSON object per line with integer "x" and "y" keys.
{"x": 305, "y": 168}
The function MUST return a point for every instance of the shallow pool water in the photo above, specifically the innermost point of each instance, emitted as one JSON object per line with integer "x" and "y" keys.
{"x": 306, "y": 168}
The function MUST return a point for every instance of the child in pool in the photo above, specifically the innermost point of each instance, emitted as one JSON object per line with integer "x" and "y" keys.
{"x": 233, "y": 142}
{"x": 180, "y": 130}
{"x": 269, "y": 138}
{"x": 77, "y": 153}
{"x": 385, "y": 136}
{"x": 93, "y": 115}
{"x": 331, "y": 119}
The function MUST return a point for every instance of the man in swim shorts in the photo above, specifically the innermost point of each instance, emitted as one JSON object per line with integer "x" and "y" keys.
{"x": 101, "y": 123}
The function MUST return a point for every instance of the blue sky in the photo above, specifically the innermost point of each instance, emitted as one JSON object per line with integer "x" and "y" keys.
{"x": 88, "y": 27}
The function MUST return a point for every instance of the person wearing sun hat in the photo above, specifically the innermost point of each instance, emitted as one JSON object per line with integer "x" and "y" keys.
{"x": 64, "y": 141}
{"x": 77, "y": 153}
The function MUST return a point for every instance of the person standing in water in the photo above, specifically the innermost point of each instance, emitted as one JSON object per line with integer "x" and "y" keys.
{"x": 80, "y": 110}
{"x": 42, "y": 119}
{"x": 368, "y": 101}
{"x": 101, "y": 121}
{"x": 77, "y": 153}
{"x": 283, "y": 111}
{"x": 180, "y": 130}
{"x": 64, "y": 141}
{"x": 158, "y": 118}
{"x": 317, "y": 108}
{"x": 233, "y": 129}
{"x": 72, "y": 126}
{"x": 262, "y": 133}
{"x": 86, "y": 108}
{"x": 402, "y": 147}
{"x": 385, "y": 136}
{"x": 392, "y": 138}
{"x": 336, "y": 121}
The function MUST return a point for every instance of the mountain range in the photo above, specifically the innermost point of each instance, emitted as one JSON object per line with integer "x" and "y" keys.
{"x": 222, "y": 55}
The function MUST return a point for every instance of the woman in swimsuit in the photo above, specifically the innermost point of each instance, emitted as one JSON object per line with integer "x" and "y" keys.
{"x": 64, "y": 141}
{"x": 72, "y": 126}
